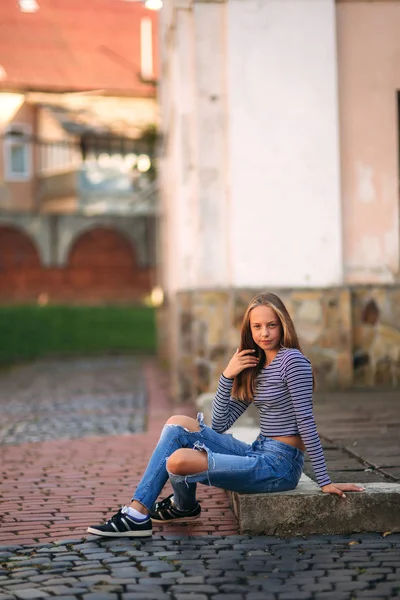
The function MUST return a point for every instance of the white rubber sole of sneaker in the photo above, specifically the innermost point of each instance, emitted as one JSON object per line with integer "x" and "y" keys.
{"x": 119, "y": 534}
{"x": 182, "y": 520}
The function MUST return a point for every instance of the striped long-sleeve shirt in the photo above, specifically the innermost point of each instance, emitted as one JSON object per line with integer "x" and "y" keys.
{"x": 283, "y": 395}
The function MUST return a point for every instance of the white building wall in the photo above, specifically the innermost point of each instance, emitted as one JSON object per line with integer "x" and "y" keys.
{"x": 250, "y": 182}
{"x": 283, "y": 143}
{"x": 194, "y": 181}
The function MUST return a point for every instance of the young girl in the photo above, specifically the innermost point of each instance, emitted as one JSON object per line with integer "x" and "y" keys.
{"x": 269, "y": 370}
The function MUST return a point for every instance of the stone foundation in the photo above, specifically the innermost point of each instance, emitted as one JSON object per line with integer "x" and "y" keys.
{"x": 351, "y": 335}
{"x": 376, "y": 336}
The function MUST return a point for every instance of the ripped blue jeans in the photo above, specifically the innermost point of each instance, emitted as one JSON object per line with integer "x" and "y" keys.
{"x": 266, "y": 465}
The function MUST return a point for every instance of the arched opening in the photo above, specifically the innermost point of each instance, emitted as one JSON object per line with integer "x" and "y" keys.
{"x": 101, "y": 247}
{"x": 20, "y": 266}
{"x": 17, "y": 251}
{"x": 102, "y": 265}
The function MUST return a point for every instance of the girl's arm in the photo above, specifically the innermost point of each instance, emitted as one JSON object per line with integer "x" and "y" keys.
{"x": 298, "y": 375}
{"x": 225, "y": 410}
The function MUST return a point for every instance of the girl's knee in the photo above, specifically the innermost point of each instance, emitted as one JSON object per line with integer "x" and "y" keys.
{"x": 186, "y": 462}
{"x": 176, "y": 462}
{"x": 186, "y": 422}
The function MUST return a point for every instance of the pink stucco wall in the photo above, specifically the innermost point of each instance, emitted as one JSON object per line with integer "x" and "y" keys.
{"x": 369, "y": 77}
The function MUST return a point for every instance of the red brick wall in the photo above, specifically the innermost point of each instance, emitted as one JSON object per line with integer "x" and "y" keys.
{"x": 101, "y": 267}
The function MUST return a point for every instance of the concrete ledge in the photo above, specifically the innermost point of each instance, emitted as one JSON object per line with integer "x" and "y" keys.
{"x": 306, "y": 511}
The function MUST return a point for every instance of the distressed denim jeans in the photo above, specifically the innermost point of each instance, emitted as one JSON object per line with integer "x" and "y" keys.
{"x": 266, "y": 465}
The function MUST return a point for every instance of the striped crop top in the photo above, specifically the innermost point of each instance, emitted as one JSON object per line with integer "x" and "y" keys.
{"x": 283, "y": 395}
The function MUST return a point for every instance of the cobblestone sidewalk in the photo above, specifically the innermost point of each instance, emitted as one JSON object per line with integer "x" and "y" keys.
{"x": 52, "y": 400}
{"x": 52, "y": 488}
{"x": 205, "y": 568}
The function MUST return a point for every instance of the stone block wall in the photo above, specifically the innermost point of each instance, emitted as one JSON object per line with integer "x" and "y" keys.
{"x": 376, "y": 335}
{"x": 351, "y": 335}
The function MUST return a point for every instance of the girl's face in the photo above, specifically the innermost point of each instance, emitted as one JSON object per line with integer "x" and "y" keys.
{"x": 265, "y": 328}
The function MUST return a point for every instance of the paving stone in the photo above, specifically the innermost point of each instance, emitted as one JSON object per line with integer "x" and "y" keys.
{"x": 107, "y": 588}
{"x": 70, "y": 597}
{"x": 128, "y": 571}
{"x": 193, "y": 588}
{"x": 378, "y": 591}
{"x": 233, "y": 588}
{"x": 19, "y": 585}
{"x": 98, "y": 555}
{"x": 96, "y": 578}
{"x": 298, "y": 596}
{"x": 336, "y": 578}
{"x": 188, "y": 580}
{"x": 57, "y": 590}
{"x": 171, "y": 575}
{"x": 149, "y": 596}
{"x": 317, "y": 587}
{"x": 55, "y": 570}
{"x": 57, "y": 580}
{"x": 100, "y": 596}
{"x": 30, "y": 594}
{"x": 84, "y": 564}
{"x": 4, "y": 555}
{"x": 145, "y": 589}
{"x": 115, "y": 560}
{"x": 351, "y": 586}
{"x": 146, "y": 581}
{"x": 24, "y": 572}
{"x": 164, "y": 568}
{"x": 254, "y": 596}
{"x": 231, "y": 597}
{"x": 184, "y": 596}
{"x": 80, "y": 575}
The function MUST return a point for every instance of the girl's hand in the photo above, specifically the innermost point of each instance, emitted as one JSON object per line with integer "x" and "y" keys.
{"x": 340, "y": 488}
{"x": 240, "y": 361}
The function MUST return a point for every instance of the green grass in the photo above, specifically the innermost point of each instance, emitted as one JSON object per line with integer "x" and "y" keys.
{"x": 30, "y": 332}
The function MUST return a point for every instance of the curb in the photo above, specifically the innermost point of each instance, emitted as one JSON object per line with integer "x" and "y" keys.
{"x": 306, "y": 511}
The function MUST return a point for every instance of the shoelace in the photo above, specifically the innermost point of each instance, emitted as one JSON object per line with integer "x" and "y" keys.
{"x": 166, "y": 503}
{"x": 122, "y": 511}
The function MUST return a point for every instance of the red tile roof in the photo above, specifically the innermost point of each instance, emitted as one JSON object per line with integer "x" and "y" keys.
{"x": 73, "y": 45}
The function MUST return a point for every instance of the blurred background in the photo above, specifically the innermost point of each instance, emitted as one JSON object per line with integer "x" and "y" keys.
{"x": 162, "y": 162}
{"x": 79, "y": 123}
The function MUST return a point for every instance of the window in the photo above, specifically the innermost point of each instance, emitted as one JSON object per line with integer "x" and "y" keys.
{"x": 28, "y": 6}
{"x": 17, "y": 153}
{"x": 146, "y": 48}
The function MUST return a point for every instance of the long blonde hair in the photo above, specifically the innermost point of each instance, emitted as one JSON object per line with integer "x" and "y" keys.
{"x": 244, "y": 383}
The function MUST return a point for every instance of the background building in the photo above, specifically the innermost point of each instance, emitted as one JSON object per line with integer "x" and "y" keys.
{"x": 78, "y": 126}
{"x": 280, "y": 171}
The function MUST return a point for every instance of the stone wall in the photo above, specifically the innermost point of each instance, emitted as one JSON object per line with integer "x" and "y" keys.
{"x": 351, "y": 335}
{"x": 376, "y": 335}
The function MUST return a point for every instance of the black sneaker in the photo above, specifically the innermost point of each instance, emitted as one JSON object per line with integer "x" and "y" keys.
{"x": 166, "y": 511}
{"x": 122, "y": 525}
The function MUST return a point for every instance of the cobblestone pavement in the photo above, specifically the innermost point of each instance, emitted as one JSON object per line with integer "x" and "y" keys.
{"x": 51, "y": 489}
{"x": 70, "y": 483}
{"x": 206, "y": 568}
{"x": 367, "y": 425}
{"x": 50, "y": 400}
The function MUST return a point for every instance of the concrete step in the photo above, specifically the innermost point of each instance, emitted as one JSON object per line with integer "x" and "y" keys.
{"x": 306, "y": 511}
